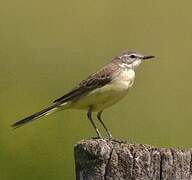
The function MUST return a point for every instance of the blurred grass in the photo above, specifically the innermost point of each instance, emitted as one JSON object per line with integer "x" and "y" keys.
{"x": 47, "y": 47}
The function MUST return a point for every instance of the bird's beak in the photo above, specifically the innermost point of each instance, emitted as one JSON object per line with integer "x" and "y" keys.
{"x": 148, "y": 57}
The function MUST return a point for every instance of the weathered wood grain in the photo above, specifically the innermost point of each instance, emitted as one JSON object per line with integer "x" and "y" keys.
{"x": 102, "y": 159}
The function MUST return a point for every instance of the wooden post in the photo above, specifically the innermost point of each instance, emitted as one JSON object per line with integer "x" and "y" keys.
{"x": 102, "y": 159}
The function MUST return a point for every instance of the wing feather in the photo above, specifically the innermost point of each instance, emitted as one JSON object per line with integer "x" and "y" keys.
{"x": 96, "y": 80}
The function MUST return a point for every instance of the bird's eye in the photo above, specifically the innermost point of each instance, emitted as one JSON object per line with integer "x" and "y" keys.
{"x": 132, "y": 56}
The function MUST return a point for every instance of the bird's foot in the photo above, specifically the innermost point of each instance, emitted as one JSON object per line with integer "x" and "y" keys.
{"x": 117, "y": 140}
{"x": 97, "y": 137}
{"x": 109, "y": 139}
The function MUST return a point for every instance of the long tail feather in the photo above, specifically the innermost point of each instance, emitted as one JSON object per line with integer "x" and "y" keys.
{"x": 35, "y": 116}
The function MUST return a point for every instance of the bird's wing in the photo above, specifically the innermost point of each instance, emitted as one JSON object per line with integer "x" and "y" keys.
{"x": 96, "y": 80}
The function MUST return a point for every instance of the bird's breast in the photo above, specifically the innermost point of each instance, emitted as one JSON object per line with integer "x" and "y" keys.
{"x": 125, "y": 79}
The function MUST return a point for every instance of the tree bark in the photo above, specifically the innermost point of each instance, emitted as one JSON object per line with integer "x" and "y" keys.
{"x": 102, "y": 159}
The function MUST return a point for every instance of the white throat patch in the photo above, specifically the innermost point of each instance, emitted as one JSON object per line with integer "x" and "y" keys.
{"x": 131, "y": 74}
{"x": 136, "y": 63}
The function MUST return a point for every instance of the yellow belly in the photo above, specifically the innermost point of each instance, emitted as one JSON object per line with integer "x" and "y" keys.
{"x": 98, "y": 100}
{"x": 106, "y": 96}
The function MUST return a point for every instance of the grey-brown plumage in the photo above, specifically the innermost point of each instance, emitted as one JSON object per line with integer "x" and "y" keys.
{"x": 97, "y": 92}
{"x": 96, "y": 80}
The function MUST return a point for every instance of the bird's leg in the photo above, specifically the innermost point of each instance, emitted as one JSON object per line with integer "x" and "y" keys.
{"x": 100, "y": 120}
{"x": 89, "y": 115}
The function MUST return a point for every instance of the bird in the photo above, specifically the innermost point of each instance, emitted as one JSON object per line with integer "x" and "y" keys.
{"x": 98, "y": 91}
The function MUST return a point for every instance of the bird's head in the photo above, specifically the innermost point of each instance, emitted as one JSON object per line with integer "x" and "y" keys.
{"x": 133, "y": 59}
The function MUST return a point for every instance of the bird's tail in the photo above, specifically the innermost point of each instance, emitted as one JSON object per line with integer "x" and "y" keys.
{"x": 35, "y": 116}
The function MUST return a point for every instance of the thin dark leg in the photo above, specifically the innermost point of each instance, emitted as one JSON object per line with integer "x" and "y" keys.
{"x": 100, "y": 120}
{"x": 89, "y": 115}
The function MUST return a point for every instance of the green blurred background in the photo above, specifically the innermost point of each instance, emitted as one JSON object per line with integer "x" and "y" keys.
{"x": 46, "y": 47}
